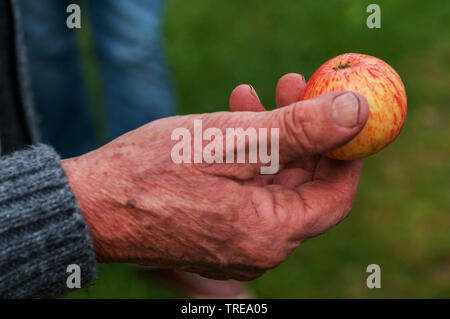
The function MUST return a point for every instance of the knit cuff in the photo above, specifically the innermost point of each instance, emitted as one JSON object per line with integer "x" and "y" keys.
{"x": 42, "y": 230}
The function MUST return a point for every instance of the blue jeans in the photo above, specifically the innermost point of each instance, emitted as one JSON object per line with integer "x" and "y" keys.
{"x": 135, "y": 84}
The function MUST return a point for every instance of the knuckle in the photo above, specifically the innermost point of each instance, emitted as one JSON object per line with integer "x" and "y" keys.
{"x": 264, "y": 260}
{"x": 249, "y": 275}
{"x": 254, "y": 275}
{"x": 296, "y": 124}
{"x": 347, "y": 200}
{"x": 348, "y": 206}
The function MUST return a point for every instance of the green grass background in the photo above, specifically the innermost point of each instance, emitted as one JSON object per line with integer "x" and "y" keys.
{"x": 401, "y": 216}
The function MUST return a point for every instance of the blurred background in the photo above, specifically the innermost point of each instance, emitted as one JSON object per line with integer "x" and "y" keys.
{"x": 401, "y": 216}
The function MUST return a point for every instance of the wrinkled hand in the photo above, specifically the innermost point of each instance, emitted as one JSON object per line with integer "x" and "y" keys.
{"x": 222, "y": 220}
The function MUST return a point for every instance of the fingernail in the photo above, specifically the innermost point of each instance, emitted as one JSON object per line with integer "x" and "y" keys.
{"x": 252, "y": 90}
{"x": 345, "y": 110}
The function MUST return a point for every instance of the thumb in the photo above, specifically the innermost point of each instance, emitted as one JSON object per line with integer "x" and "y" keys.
{"x": 305, "y": 128}
{"x": 318, "y": 125}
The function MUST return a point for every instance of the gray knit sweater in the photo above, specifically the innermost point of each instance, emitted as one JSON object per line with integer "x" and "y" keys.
{"x": 42, "y": 230}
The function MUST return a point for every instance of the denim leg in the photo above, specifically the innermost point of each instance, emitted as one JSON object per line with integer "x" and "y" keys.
{"x": 60, "y": 95}
{"x": 128, "y": 43}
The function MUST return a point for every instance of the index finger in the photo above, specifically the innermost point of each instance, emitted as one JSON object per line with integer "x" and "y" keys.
{"x": 290, "y": 89}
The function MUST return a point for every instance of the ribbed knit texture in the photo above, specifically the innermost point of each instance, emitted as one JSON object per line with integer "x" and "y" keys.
{"x": 41, "y": 228}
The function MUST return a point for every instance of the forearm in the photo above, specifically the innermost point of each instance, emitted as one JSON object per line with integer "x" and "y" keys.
{"x": 41, "y": 228}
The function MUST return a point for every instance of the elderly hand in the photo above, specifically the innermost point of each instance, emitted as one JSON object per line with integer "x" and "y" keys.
{"x": 222, "y": 220}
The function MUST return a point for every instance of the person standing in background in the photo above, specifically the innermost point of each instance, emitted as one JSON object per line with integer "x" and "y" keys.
{"x": 128, "y": 48}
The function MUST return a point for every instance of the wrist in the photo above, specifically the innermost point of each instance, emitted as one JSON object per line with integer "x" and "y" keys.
{"x": 85, "y": 188}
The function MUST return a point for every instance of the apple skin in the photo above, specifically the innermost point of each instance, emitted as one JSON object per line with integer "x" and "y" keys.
{"x": 383, "y": 88}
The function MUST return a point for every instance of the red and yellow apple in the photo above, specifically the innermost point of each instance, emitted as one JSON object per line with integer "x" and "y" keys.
{"x": 380, "y": 85}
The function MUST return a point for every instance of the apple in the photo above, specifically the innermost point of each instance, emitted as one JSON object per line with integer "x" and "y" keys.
{"x": 383, "y": 88}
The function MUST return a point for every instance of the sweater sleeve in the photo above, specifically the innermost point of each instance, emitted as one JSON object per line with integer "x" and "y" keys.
{"x": 42, "y": 230}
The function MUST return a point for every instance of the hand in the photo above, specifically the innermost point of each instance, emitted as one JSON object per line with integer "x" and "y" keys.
{"x": 221, "y": 220}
